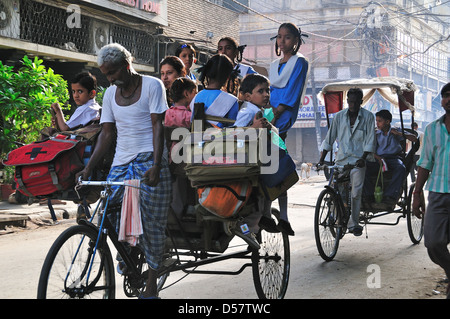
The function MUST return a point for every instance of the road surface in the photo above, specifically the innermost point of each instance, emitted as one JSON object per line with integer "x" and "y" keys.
{"x": 383, "y": 265}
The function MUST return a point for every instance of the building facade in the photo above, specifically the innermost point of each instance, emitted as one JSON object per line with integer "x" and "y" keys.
{"x": 68, "y": 36}
{"x": 351, "y": 39}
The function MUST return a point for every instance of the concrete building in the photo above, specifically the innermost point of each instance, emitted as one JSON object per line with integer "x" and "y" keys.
{"x": 351, "y": 39}
{"x": 68, "y": 34}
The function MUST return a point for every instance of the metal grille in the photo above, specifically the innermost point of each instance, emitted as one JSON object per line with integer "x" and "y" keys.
{"x": 9, "y": 19}
{"x": 47, "y": 25}
{"x": 139, "y": 43}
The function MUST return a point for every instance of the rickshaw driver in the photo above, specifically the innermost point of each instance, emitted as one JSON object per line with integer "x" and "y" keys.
{"x": 354, "y": 128}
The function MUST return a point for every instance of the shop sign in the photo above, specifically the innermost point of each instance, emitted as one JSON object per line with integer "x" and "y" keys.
{"x": 306, "y": 112}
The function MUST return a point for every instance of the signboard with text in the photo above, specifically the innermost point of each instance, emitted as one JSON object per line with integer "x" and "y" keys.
{"x": 149, "y": 10}
{"x": 306, "y": 112}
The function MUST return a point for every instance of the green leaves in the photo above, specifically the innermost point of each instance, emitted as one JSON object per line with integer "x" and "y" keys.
{"x": 26, "y": 95}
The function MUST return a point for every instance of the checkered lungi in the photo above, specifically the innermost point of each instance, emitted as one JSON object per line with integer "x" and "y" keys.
{"x": 154, "y": 201}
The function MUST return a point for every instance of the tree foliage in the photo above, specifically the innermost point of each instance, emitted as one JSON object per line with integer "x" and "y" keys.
{"x": 26, "y": 95}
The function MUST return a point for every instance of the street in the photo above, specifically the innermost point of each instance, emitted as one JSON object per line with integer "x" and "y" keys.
{"x": 383, "y": 265}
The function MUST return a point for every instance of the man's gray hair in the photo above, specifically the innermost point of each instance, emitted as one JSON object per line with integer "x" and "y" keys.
{"x": 114, "y": 53}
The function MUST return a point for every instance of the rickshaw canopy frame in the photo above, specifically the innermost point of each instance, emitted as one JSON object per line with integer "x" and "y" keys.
{"x": 397, "y": 91}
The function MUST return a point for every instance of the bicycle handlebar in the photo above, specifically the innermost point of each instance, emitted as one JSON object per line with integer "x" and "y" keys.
{"x": 344, "y": 167}
{"x": 102, "y": 183}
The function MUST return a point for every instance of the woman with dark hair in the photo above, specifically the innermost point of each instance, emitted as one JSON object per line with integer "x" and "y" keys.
{"x": 171, "y": 68}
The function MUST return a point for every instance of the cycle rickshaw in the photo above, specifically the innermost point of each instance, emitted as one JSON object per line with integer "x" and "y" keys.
{"x": 333, "y": 207}
{"x": 80, "y": 264}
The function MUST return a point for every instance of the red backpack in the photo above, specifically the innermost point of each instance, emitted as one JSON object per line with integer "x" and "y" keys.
{"x": 48, "y": 166}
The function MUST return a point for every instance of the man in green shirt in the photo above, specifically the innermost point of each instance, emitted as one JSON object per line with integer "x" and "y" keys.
{"x": 434, "y": 168}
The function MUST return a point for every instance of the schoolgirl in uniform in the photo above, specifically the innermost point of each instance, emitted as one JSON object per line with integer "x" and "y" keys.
{"x": 215, "y": 74}
{"x": 288, "y": 77}
{"x": 186, "y": 53}
{"x": 230, "y": 48}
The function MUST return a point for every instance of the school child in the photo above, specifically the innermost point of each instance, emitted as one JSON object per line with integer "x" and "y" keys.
{"x": 84, "y": 90}
{"x": 215, "y": 75}
{"x": 288, "y": 77}
{"x": 255, "y": 90}
{"x": 254, "y": 112}
{"x": 230, "y": 48}
{"x": 186, "y": 53}
{"x": 182, "y": 92}
{"x": 388, "y": 150}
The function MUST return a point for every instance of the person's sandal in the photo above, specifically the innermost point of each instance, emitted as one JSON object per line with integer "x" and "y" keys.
{"x": 268, "y": 224}
{"x": 285, "y": 227}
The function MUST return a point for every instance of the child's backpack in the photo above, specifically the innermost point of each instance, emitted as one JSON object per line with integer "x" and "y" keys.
{"x": 224, "y": 200}
{"x": 48, "y": 166}
{"x": 221, "y": 156}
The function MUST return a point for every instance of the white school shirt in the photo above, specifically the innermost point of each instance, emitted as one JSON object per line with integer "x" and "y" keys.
{"x": 133, "y": 122}
{"x": 84, "y": 114}
{"x": 246, "y": 114}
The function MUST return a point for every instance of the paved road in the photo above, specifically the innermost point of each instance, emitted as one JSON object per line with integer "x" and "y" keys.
{"x": 383, "y": 265}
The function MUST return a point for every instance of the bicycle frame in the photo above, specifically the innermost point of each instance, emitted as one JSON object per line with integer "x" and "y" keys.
{"x": 106, "y": 228}
{"x": 335, "y": 184}
{"x": 368, "y": 217}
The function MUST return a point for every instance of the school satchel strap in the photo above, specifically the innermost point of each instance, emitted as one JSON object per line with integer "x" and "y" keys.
{"x": 219, "y": 119}
{"x": 238, "y": 197}
{"x": 224, "y": 200}
{"x": 380, "y": 173}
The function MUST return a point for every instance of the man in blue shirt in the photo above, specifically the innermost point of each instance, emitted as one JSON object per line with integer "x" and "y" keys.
{"x": 354, "y": 128}
{"x": 389, "y": 149}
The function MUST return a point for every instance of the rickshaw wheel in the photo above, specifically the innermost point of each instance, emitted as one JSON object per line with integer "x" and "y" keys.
{"x": 328, "y": 229}
{"x": 415, "y": 225}
{"x": 271, "y": 263}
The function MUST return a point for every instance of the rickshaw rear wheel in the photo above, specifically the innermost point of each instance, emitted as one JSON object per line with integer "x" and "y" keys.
{"x": 415, "y": 225}
{"x": 271, "y": 263}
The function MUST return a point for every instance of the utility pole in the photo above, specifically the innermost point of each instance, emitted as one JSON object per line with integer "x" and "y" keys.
{"x": 317, "y": 113}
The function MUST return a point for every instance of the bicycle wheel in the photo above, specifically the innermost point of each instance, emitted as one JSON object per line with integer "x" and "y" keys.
{"x": 327, "y": 229}
{"x": 415, "y": 225}
{"x": 271, "y": 263}
{"x": 71, "y": 270}
{"x": 133, "y": 286}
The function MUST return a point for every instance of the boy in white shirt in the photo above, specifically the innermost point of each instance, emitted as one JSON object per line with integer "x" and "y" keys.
{"x": 84, "y": 90}
{"x": 255, "y": 112}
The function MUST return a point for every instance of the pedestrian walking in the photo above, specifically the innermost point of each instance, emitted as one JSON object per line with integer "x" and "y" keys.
{"x": 434, "y": 170}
